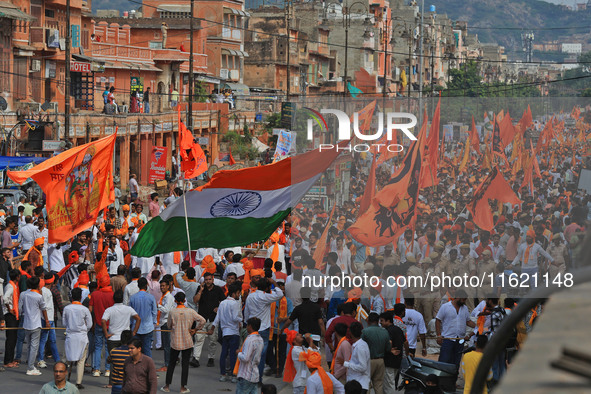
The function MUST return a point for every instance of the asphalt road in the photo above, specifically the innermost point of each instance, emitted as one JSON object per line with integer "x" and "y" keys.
{"x": 201, "y": 380}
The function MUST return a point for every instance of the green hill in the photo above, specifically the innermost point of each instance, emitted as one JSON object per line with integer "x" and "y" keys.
{"x": 114, "y": 5}
{"x": 521, "y": 14}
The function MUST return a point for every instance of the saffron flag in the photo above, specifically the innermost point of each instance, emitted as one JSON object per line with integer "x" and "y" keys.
{"x": 320, "y": 250}
{"x": 506, "y": 130}
{"x": 464, "y": 162}
{"x": 429, "y": 174}
{"x": 236, "y": 207}
{"x": 474, "y": 138}
{"x": 394, "y": 207}
{"x": 193, "y": 161}
{"x": 232, "y": 161}
{"x": 495, "y": 187}
{"x": 496, "y": 137}
{"x": 526, "y": 120}
{"x": 78, "y": 184}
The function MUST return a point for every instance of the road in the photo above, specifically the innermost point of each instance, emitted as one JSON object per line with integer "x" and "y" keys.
{"x": 201, "y": 380}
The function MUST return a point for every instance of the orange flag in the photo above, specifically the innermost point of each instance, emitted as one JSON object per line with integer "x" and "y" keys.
{"x": 526, "y": 120}
{"x": 429, "y": 174}
{"x": 370, "y": 188}
{"x": 495, "y": 187}
{"x": 232, "y": 161}
{"x": 78, "y": 184}
{"x": 321, "y": 245}
{"x": 507, "y": 130}
{"x": 394, "y": 207}
{"x": 193, "y": 161}
{"x": 474, "y": 137}
{"x": 464, "y": 162}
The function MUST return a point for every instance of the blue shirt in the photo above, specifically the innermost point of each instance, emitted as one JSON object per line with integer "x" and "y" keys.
{"x": 145, "y": 306}
{"x": 278, "y": 306}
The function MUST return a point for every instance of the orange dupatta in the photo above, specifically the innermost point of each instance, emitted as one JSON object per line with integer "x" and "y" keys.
{"x": 237, "y": 366}
{"x": 334, "y": 358}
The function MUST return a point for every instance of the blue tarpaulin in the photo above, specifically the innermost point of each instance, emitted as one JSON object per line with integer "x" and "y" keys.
{"x": 18, "y": 161}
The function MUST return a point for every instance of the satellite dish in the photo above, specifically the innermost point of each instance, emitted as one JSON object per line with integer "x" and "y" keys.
{"x": 3, "y": 104}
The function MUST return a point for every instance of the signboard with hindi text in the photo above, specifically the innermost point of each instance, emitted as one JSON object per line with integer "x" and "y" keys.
{"x": 158, "y": 164}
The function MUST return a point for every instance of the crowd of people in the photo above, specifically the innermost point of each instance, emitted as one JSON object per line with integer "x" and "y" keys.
{"x": 117, "y": 308}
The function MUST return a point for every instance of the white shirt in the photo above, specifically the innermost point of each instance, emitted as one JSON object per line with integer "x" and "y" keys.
{"x": 119, "y": 318}
{"x": 358, "y": 367}
{"x": 302, "y": 372}
{"x": 453, "y": 323}
{"x": 48, "y": 301}
{"x": 344, "y": 260}
{"x": 280, "y": 257}
{"x": 145, "y": 264}
{"x": 314, "y": 385}
{"x": 535, "y": 250}
{"x": 202, "y": 252}
{"x": 133, "y": 186}
{"x": 28, "y": 234}
{"x": 229, "y": 316}
{"x": 115, "y": 259}
{"x": 497, "y": 252}
{"x": 405, "y": 248}
{"x": 30, "y": 306}
{"x": 258, "y": 304}
{"x": 235, "y": 268}
{"x": 167, "y": 305}
{"x": 130, "y": 290}
{"x": 56, "y": 258}
{"x": 168, "y": 263}
{"x": 78, "y": 321}
{"x": 45, "y": 234}
{"x": 415, "y": 324}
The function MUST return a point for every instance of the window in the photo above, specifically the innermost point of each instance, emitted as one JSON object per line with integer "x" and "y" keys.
{"x": 49, "y": 13}
{"x": 155, "y": 44}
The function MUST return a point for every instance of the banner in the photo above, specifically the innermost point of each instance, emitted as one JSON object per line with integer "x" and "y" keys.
{"x": 283, "y": 145}
{"x": 78, "y": 183}
{"x": 158, "y": 164}
{"x": 11, "y": 183}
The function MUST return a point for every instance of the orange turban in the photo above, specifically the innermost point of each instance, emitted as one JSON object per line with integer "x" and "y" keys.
{"x": 73, "y": 257}
{"x": 50, "y": 280}
{"x": 208, "y": 265}
{"x": 274, "y": 238}
{"x": 83, "y": 278}
{"x": 39, "y": 241}
{"x": 313, "y": 360}
{"x": 247, "y": 264}
{"x": 355, "y": 293}
{"x": 257, "y": 272}
{"x": 104, "y": 281}
{"x": 290, "y": 335}
{"x": 125, "y": 207}
{"x": 531, "y": 233}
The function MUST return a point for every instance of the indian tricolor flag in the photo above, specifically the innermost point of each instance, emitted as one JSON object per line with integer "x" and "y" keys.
{"x": 235, "y": 208}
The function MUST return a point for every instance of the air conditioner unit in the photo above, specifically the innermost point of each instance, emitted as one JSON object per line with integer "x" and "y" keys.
{"x": 52, "y": 107}
{"x": 33, "y": 107}
{"x": 234, "y": 74}
{"x": 35, "y": 66}
{"x": 224, "y": 73}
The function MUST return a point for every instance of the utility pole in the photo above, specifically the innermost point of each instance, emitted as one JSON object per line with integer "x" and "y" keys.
{"x": 191, "y": 81}
{"x": 68, "y": 77}
{"x": 421, "y": 69}
{"x": 386, "y": 42}
{"x": 288, "y": 27}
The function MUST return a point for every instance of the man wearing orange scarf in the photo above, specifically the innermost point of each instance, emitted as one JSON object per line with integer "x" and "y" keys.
{"x": 528, "y": 253}
{"x": 34, "y": 254}
{"x": 321, "y": 382}
{"x": 249, "y": 357}
{"x": 11, "y": 296}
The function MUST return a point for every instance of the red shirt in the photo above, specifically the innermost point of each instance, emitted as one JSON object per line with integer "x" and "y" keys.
{"x": 346, "y": 319}
{"x": 100, "y": 301}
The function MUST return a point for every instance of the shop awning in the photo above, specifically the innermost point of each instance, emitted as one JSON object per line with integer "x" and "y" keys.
{"x": 234, "y": 52}
{"x": 10, "y": 11}
{"x": 174, "y": 8}
{"x": 239, "y": 88}
{"x": 208, "y": 79}
{"x": 228, "y": 10}
{"x": 133, "y": 65}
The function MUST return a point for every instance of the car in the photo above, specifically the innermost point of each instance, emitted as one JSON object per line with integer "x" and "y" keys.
{"x": 12, "y": 197}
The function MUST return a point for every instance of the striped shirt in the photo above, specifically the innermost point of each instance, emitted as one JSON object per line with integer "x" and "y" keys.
{"x": 250, "y": 356}
{"x": 118, "y": 356}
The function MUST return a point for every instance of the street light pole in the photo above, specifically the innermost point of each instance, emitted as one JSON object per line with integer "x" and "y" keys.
{"x": 68, "y": 75}
{"x": 191, "y": 81}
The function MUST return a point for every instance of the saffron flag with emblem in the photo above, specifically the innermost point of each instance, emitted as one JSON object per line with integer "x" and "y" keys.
{"x": 474, "y": 138}
{"x": 193, "y": 160}
{"x": 78, "y": 184}
{"x": 494, "y": 187}
{"x": 236, "y": 207}
{"x": 394, "y": 207}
